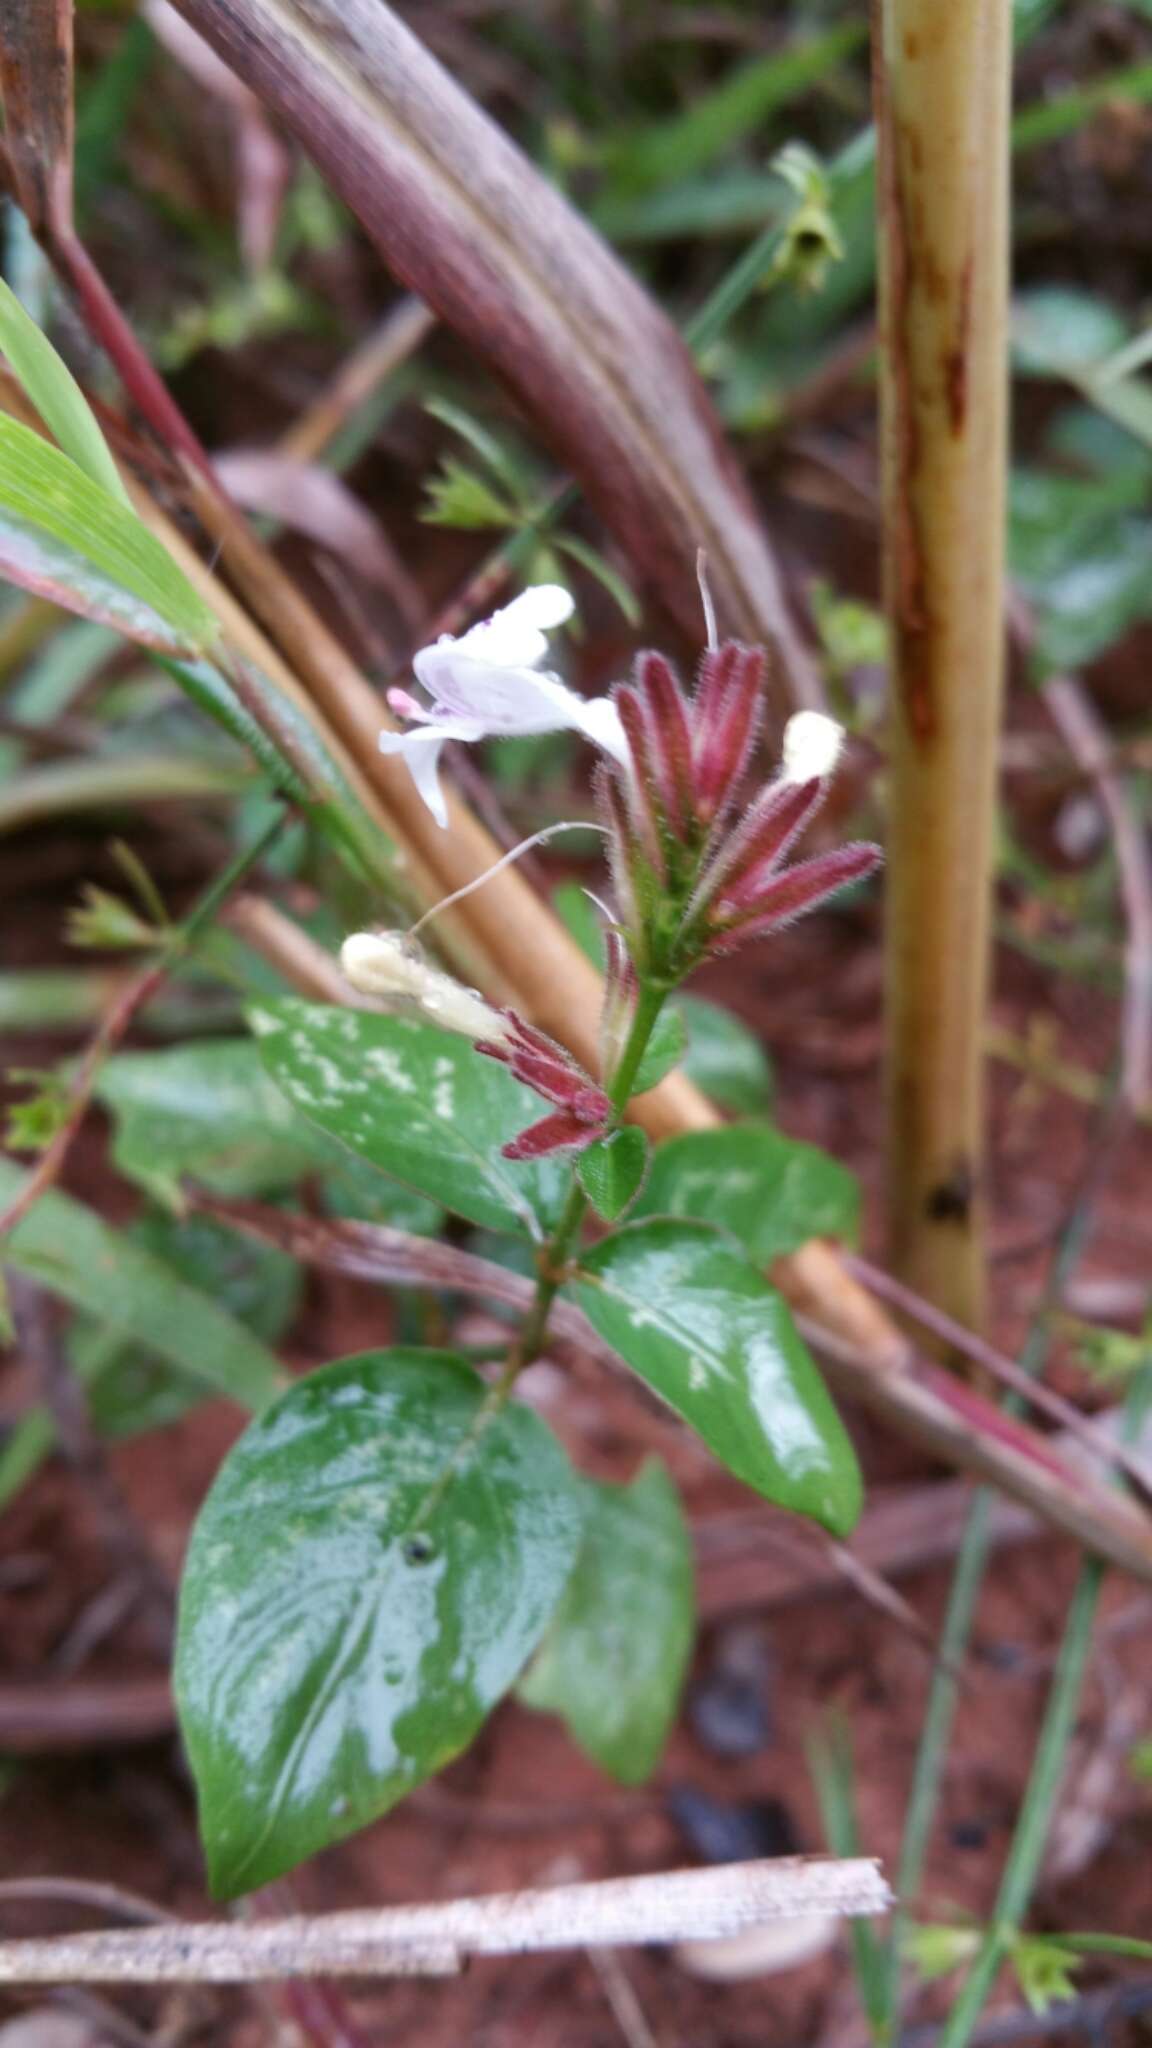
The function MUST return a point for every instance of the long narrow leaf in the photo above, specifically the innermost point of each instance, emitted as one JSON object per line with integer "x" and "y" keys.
{"x": 56, "y": 395}
{"x": 65, "y": 1246}
{"x": 66, "y": 538}
{"x": 463, "y": 217}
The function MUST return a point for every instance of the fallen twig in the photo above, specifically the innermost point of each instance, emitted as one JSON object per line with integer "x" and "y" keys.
{"x": 434, "y": 1939}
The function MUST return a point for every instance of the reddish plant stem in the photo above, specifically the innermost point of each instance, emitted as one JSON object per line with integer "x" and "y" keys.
{"x": 50, "y": 1164}
{"x": 1001, "y": 1367}
{"x": 1089, "y": 743}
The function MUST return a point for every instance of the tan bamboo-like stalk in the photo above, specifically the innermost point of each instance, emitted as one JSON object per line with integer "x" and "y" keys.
{"x": 942, "y": 92}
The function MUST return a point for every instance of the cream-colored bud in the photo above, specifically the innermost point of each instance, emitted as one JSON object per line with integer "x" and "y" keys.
{"x": 392, "y": 967}
{"x": 812, "y": 746}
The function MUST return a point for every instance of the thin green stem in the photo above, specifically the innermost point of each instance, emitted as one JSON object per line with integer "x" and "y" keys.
{"x": 1035, "y": 1818}
{"x": 966, "y": 1582}
{"x": 551, "y": 1265}
{"x": 204, "y": 909}
{"x": 937, "y": 1727}
{"x": 1027, "y": 1848}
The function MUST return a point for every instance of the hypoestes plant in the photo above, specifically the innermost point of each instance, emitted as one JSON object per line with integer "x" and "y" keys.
{"x": 398, "y": 1540}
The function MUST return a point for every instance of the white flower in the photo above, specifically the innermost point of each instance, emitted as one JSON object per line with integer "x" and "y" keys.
{"x": 812, "y": 744}
{"x": 392, "y": 967}
{"x": 489, "y": 681}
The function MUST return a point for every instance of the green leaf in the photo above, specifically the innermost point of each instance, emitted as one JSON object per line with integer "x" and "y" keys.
{"x": 612, "y": 1170}
{"x": 1080, "y": 553}
{"x": 70, "y": 1251}
{"x": 420, "y": 1103}
{"x": 724, "y": 1058}
{"x": 1057, "y": 332}
{"x": 491, "y": 450}
{"x": 354, "y": 1189}
{"x": 612, "y": 1665}
{"x": 771, "y": 1192}
{"x": 715, "y": 1341}
{"x": 209, "y": 1110}
{"x": 56, "y": 395}
{"x": 67, "y": 539}
{"x": 130, "y": 1388}
{"x": 666, "y": 1048}
{"x": 741, "y": 104}
{"x": 591, "y": 559}
{"x": 332, "y": 1654}
{"x": 458, "y": 497}
{"x": 935, "y": 1949}
{"x": 1044, "y": 1967}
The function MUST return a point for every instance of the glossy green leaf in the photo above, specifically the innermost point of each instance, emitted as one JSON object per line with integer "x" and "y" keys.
{"x": 66, "y": 538}
{"x": 210, "y": 1110}
{"x": 613, "y": 1662}
{"x": 666, "y": 1048}
{"x": 771, "y": 1192}
{"x": 331, "y": 1654}
{"x": 56, "y": 395}
{"x": 724, "y": 1057}
{"x": 70, "y": 1251}
{"x": 420, "y": 1103}
{"x": 713, "y": 1339}
{"x": 612, "y": 1170}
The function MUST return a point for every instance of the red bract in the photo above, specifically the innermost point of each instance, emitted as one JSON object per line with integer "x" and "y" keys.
{"x": 688, "y": 754}
{"x": 760, "y": 906}
{"x": 536, "y": 1059}
{"x": 690, "y": 879}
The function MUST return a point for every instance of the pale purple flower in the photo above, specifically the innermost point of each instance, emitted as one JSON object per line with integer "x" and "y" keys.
{"x": 489, "y": 683}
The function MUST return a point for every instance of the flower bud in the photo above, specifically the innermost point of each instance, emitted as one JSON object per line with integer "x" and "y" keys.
{"x": 393, "y": 968}
{"x": 811, "y": 748}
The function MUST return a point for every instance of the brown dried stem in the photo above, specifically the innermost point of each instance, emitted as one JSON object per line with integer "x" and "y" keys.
{"x": 942, "y": 77}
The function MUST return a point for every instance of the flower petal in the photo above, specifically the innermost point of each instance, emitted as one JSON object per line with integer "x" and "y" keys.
{"x": 421, "y": 749}
{"x": 514, "y": 637}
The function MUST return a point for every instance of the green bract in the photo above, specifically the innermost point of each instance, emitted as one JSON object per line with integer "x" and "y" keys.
{"x": 340, "y": 1638}
{"x": 612, "y": 1170}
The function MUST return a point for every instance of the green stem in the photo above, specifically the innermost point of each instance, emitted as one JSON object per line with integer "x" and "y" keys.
{"x": 204, "y": 909}
{"x": 1035, "y": 1819}
{"x": 934, "y": 1735}
{"x": 555, "y": 1255}
{"x": 552, "y": 1261}
{"x": 1027, "y": 1849}
{"x": 966, "y": 1582}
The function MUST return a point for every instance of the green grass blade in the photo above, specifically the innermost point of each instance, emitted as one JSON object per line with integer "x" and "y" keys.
{"x": 56, "y": 395}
